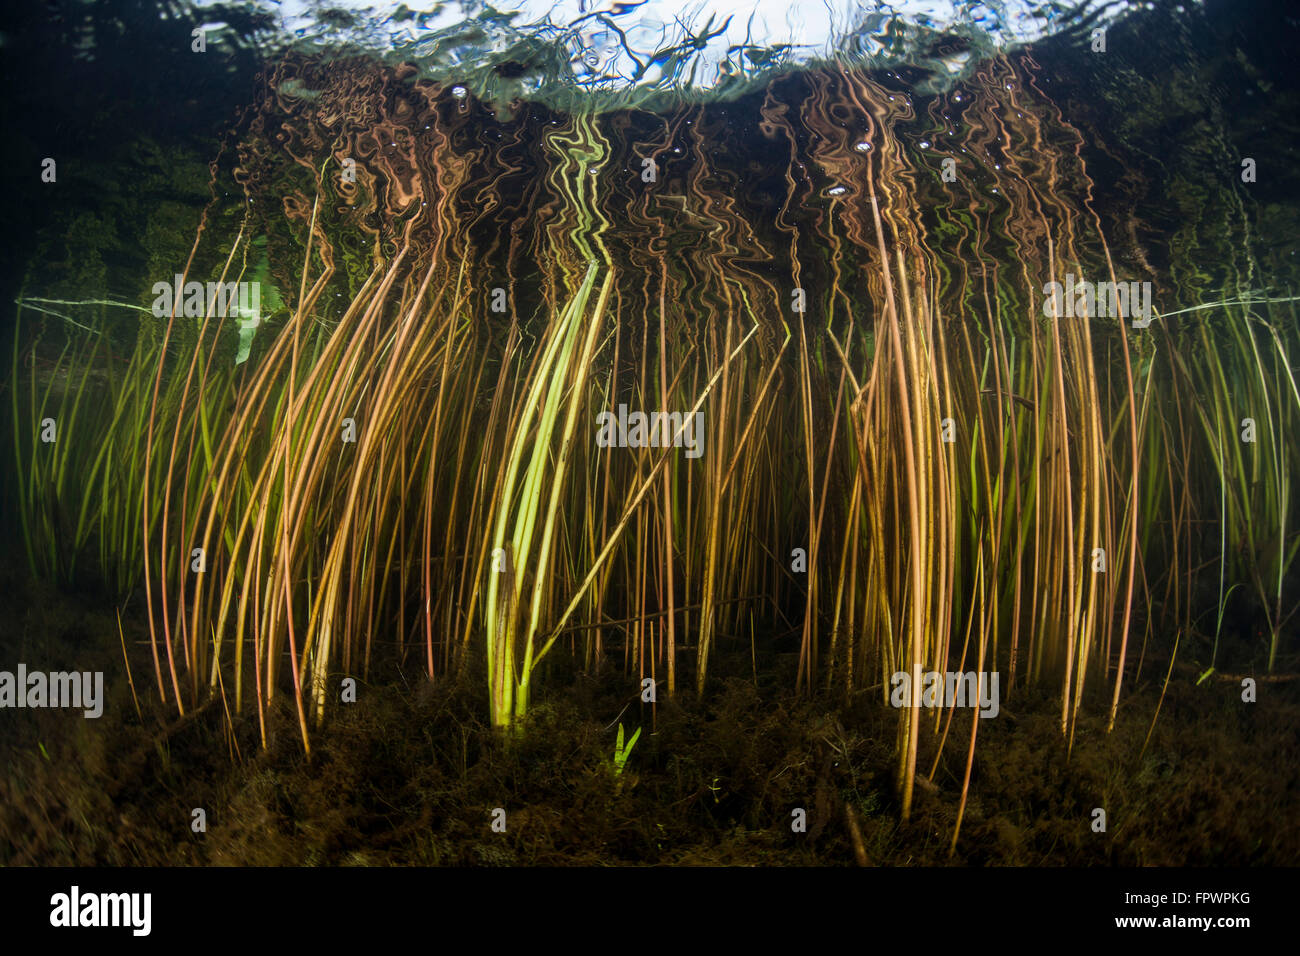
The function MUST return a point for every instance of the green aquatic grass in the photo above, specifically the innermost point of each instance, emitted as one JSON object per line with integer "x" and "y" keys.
{"x": 391, "y": 470}
{"x": 1244, "y": 387}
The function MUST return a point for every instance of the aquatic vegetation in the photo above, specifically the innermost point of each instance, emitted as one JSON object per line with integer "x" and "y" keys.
{"x": 1248, "y": 414}
{"x": 623, "y": 751}
{"x": 909, "y": 462}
